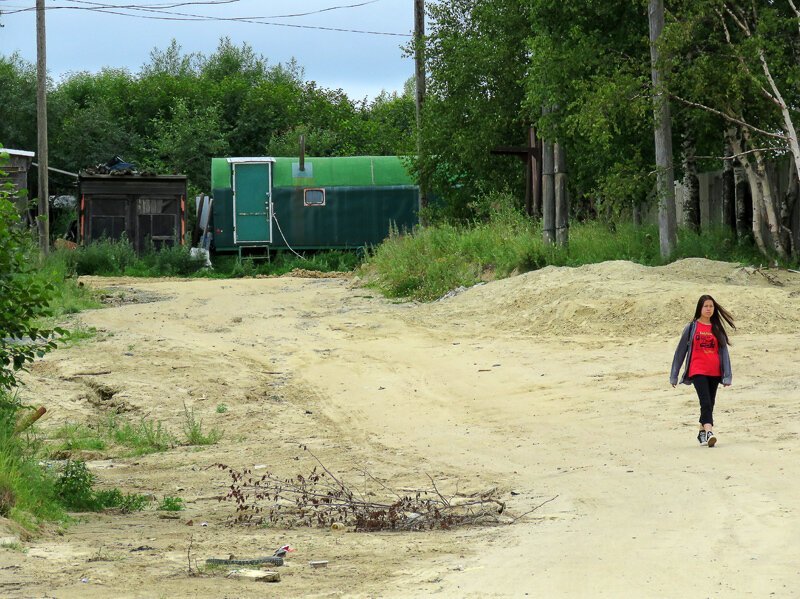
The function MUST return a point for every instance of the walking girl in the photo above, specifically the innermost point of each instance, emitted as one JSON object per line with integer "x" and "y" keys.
{"x": 703, "y": 349}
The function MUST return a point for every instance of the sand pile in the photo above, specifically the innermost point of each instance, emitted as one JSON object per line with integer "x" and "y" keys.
{"x": 620, "y": 299}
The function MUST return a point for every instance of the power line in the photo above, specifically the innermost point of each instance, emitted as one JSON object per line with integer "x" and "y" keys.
{"x": 178, "y": 16}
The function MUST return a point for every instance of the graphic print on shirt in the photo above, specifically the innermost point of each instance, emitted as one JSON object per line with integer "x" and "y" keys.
{"x": 706, "y": 342}
{"x": 705, "y": 352}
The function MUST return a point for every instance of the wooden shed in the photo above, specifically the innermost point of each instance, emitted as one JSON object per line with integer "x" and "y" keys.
{"x": 16, "y": 169}
{"x": 149, "y": 210}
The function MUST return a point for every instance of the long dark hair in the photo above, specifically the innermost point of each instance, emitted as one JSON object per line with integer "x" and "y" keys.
{"x": 720, "y": 314}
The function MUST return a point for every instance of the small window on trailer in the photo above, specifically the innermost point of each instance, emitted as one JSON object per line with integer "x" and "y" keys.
{"x": 314, "y": 197}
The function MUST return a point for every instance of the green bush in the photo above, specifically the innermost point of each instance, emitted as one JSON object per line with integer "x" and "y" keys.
{"x": 171, "y": 504}
{"x": 24, "y": 298}
{"x": 75, "y": 489}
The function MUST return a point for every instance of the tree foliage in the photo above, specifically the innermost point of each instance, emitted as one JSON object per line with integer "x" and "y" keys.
{"x": 180, "y": 109}
{"x": 24, "y": 297}
{"x": 476, "y": 57}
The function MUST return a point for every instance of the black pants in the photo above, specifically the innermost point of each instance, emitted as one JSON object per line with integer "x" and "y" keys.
{"x": 706, "y": 387}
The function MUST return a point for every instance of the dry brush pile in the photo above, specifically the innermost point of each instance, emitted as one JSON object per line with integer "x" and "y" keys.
{"x": 323, "y": 499}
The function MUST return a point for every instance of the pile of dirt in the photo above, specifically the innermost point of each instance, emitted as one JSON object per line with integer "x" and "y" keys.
{"x": 623, "y": 299}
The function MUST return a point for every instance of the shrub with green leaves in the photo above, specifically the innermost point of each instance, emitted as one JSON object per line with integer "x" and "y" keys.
{"x": 75, "y": 489}
{"x": 24, "y": 297}
{"x": 171, "y": 504}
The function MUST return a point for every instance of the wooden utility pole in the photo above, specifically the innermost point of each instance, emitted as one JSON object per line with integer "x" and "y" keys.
{"x": 41, "y": 125}
{"x": 419, "y": 78}
{"x": 665, "y": 175}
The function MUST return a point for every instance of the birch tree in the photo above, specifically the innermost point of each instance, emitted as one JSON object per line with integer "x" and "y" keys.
{"x": 745, "y": 69}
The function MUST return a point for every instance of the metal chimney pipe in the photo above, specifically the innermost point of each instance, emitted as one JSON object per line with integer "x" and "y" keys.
{"x": 302, "y": 153}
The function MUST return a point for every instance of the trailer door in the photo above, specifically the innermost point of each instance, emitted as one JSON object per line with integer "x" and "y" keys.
{"x": 252, "y": 202}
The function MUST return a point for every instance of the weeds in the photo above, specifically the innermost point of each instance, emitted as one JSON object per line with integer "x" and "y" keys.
{"x": 193, "y": 429}
{"x": 77, "y": 437}
{"x": 27, "y": 491}
{"x": 222, "y": 408}
{"x": 144, "y": 437}
{"x": 117, "y": 258}
{"x": 139, "y": 438}
{"x": 171, "y": 504}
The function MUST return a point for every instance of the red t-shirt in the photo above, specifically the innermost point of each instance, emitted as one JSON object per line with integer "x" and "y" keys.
{"x": 705, "y": 352}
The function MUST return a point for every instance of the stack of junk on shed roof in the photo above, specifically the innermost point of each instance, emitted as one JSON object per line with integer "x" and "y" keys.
{"x": 117, "y": 201}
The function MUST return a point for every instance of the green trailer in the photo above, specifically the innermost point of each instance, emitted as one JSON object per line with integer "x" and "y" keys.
{"x": 321, "y": 203}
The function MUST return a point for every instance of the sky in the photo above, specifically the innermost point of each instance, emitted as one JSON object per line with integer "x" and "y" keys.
{"x": 362, "y": 64}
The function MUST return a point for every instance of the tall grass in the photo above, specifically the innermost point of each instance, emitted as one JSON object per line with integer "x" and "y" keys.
{"x": 118, "y": 258}
{"x": 107, "y": 257}
{"x": 433, "y": 260}
{"x": 27, "y": 491}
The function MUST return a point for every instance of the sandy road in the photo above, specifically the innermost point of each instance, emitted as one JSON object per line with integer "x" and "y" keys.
{"x": 551, "y": 387}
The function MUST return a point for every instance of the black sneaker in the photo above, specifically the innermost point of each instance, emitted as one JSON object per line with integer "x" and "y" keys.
{"x": 701, "y": 437}
{"x": 711, "y": 439}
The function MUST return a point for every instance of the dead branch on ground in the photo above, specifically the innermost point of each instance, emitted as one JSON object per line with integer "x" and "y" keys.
{"x": 321, "y": 499}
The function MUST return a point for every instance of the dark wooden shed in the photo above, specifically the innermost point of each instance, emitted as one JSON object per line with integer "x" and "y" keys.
{"x": 147, "y": 209}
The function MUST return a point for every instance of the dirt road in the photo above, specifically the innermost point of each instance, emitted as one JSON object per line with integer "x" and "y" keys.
{"x": 551, "y": 387}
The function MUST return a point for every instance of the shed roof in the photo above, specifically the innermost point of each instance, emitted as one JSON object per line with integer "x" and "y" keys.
{"x": 338, "y": 171}
{"x": 25, "y": 153}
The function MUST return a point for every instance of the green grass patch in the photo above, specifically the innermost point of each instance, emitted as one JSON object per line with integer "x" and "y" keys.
{"x": 77, "y": 437}
{"x": 117, "y": 436}
{"x": 141, "y": 438}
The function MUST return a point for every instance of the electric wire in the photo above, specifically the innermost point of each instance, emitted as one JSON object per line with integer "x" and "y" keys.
{"x": 180, "y": 16}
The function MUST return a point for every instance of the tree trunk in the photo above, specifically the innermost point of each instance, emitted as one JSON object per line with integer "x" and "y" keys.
{"x": 764, "y": 200}
{"x": 743, "y": 203}
{"x": 728, "y": 191}
{"x": 691, "y": 201}
{"x": 787, "y": 209}
{"x": 665, "y": 177}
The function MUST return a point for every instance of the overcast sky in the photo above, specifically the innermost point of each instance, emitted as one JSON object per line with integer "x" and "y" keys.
{"x": 362, "y": 64}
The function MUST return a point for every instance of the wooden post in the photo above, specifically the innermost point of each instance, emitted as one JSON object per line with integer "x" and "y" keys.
{"x": 665, "y": 176}
{"x": 561, "y": 195}
{"x": 41, "y": 125}
{"x": 548, "y": 193}
{"x": 536, "y": 173}
{"x": 419, "y": 78}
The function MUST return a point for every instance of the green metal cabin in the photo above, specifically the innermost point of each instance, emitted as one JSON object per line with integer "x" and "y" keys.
{"x": 331, "y": 203}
